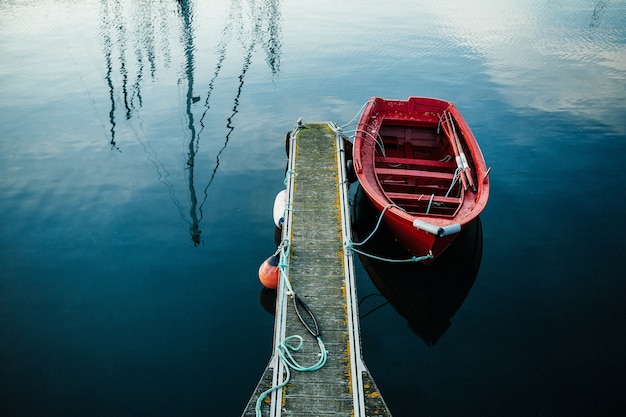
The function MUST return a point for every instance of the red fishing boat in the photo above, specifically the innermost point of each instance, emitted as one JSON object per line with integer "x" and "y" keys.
{"x": 419, "y": 163}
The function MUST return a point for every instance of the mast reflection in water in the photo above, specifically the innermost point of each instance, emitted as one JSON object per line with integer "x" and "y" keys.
{"x": 144, "y": 27}
{"x": 426, "y": 295}
{"x": 265, "y": 31}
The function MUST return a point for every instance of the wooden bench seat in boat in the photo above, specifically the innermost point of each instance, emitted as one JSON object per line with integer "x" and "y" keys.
{"x": 424, "y": 198}
{"x": 449, "y": 165}
{"x": 414, "y": 173}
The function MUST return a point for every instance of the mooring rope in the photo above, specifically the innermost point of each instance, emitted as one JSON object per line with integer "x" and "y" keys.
{"x": 429, "y": 255}
{"x": 377, "y": 140}
{"x": 285, "y": 348}
{"x": 380, "y": 219}
{"x": 357, "y": 114}
{"x": 350, "y": 245}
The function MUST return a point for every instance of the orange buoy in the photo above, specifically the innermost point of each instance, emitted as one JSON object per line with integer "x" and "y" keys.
{"x": 269, "y": 272}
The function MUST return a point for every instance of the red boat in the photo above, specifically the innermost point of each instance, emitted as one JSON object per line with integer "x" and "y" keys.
{"x": 419, "y": 163}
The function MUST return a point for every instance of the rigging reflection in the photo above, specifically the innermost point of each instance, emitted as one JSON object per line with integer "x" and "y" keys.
{"x": 265, "y": 29}
{"x": 188, "y": 45}
{"x": 106, "y": 25}
{"x": 144, "y": 25}
{"x": 120, "y": 26}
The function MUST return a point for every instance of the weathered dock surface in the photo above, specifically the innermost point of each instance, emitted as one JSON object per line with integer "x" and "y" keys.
{"x": 321, "y": 273}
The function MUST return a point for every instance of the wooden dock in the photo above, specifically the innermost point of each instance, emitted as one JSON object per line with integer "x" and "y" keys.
{"x": 320, "y": 272}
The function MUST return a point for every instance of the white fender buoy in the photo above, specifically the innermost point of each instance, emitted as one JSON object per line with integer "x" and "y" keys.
{"x": 280, "y": 202}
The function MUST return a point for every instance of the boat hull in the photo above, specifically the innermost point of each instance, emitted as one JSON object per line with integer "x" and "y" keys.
{"x": 420, "y": 165}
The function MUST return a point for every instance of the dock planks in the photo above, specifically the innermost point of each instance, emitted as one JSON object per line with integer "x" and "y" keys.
{"x": 321, "y": 273}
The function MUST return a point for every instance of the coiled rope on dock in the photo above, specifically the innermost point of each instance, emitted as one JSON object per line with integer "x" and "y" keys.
{"x": 285, "y": 348}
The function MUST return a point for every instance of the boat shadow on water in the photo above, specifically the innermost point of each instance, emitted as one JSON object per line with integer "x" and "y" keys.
{"x": 429, "y": 295}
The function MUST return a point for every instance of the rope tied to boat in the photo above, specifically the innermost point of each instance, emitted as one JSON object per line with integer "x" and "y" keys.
{"x": 430, "y": 203}
{"x": 349, "y": 245}
{"x": 285, "y": 348}
{"x": 457, "y": 175}
{"x": 357, "y": 114}
{"x": 375, "y": 140}
{"x": 429, "y": 255}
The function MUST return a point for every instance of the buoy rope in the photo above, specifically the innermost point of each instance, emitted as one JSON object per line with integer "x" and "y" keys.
{"x": 350, "y": 245}
{"x": 285, "y": 348}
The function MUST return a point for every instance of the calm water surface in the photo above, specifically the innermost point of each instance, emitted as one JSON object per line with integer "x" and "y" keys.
{"x": 141, "y": 147}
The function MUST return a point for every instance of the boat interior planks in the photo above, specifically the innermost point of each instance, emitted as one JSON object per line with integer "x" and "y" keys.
{"x": 418, "y": 160}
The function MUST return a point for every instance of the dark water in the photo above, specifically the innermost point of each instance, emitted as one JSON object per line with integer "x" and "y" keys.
{"x": 141, "y": 147}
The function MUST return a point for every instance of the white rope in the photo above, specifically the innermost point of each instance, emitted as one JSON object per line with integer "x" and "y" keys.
{"x": 457, "y": 173}
{"x": 358, "y": 113}
{"x": 350, "y": 245}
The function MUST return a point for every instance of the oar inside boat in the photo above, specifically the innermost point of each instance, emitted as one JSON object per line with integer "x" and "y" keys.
{"x": 461, "y": 160}
{"x": 436, "y": 198}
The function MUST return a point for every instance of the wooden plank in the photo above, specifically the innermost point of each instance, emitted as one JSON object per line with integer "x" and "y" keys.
{"x": 415, "y": 173}
{"x": 424, "y": 198}
{"x": 321, "y": 273}
{"x": 416, "y": 162}
{"x": 316, "y": 275}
